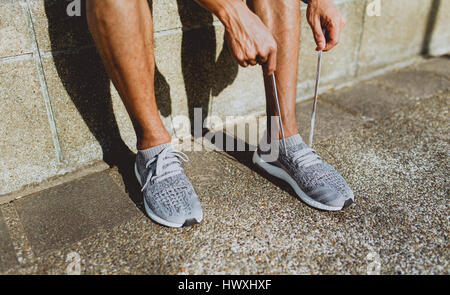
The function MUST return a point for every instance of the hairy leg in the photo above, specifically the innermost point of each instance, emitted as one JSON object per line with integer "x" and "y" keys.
{"x": 283, "y": 20}
{"x": 123, "y": 33}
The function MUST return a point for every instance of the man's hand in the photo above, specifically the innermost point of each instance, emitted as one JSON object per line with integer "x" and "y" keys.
{"x": 323, "y": 15}
{"x": 249, "y": 40}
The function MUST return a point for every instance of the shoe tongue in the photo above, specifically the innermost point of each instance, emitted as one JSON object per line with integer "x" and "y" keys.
{"x": 169, "y": 166}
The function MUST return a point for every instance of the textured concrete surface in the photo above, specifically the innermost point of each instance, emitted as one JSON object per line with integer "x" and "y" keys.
{"x": 8, "y": 257}
{"x": 367, "y": 99}
{"x": 194, "y": 69}
{"x": 333, "y": 120}
{"x": 416, "y": 83}
{"x": 85, "y": 110}
{"x": 440, "y": 66}
{"x": 200, "y": 55}
{"x": 26, "y": 146}
{"x": 397, "y": 165}
{"x": 14, "y": 34}
{"x": 440, "y": 36}
{"x": 71, "y": 212}
{"x": 338, "y": 63}
{"x": 397, "y": 34}
{"x": 54, "y": 29}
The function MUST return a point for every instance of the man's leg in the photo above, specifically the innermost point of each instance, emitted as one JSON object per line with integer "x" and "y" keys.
{"x": 283, "y": 20}
{"x": 314, "y": 180}
{"x": 123, "y": 33}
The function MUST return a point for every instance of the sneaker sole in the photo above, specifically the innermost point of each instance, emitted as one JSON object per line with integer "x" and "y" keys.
{"x": 281, "y": 174}
{"x": 156, "y": 218}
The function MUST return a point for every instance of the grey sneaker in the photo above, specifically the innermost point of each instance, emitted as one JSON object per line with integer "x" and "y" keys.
{"x": 315, "y": 181}
{"x": 169, "y": 197}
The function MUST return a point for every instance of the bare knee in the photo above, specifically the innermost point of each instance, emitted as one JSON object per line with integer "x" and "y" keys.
{"x": 277, "y": 13}
{"x": 108, "y": 9}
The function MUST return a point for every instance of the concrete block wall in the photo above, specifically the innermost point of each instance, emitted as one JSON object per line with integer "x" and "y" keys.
{"x": 59, "y": 111}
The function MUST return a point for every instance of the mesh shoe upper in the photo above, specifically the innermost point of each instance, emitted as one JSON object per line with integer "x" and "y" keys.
{"x": 166, "y": 188}
{"x": 318, "y": 179}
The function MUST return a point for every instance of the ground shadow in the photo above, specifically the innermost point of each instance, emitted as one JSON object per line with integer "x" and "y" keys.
{"x": 199, "y": 63}
{"x": 431, "y": 23}
{"x": 204, "y": 76}
{"x": 82, "y": 73}
{"x": 242, "y": 152}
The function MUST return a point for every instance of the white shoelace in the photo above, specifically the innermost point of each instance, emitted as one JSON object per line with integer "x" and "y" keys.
{"x": 316, "y": 91}
{"x": 167, "y": 165}
{"x": 306, "y": 157}
{"x": 313, "y": 116}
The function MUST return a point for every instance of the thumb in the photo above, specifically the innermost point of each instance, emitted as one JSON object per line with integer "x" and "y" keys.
{"x": 319, "y": 37}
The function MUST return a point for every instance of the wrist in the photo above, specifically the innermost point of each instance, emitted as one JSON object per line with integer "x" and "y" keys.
{"x": 228, "y": 11}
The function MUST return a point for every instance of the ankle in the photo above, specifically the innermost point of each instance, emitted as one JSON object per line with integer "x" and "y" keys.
{"x": 289, "y": 131}
{"x": 290, "y": 126}
{"x": 146, "y": 142}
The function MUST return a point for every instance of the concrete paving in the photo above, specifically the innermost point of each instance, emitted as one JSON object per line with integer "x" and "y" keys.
{"x": 8, "y": 257}
{"x": 390, "y": 141}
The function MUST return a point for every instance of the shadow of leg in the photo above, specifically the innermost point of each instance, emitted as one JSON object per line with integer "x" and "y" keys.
{"x": 198, "y": 56}
{"x": 431, "y": 23}
{"x": 244, "y": 156}
{"x": 86, "y": 82}
{"x": 226, "y": 71}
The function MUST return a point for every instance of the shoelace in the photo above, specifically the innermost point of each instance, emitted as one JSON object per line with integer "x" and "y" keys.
{"x": 306, "y": 157}
{"x": 167, "y": 165}
{"x": 316, "y": 91}
{"x": 313, "y": 116}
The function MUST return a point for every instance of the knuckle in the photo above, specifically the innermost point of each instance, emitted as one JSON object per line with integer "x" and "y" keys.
{"x": 273, "y": 47}
{"x": 262, "y": 58}
{"x": 264, "y": 52}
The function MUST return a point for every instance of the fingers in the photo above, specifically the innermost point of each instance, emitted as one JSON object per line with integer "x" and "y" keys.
{"x": 334, "y": 33}
{"x": 319, "y": 37}
{"x": 245, "y": 59}
{"x": 271, "y": 64}
{"x": 252, "y": 58}
{"x": 267, "y": 57}
{"x": 333, "y": 36}
{"x": 261, "y": 51}
{"x": 241, "y": 60}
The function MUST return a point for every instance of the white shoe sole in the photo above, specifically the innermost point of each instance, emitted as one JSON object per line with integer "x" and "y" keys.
{"x": 155, "y": 217}
{"x": 281, "y": 174}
